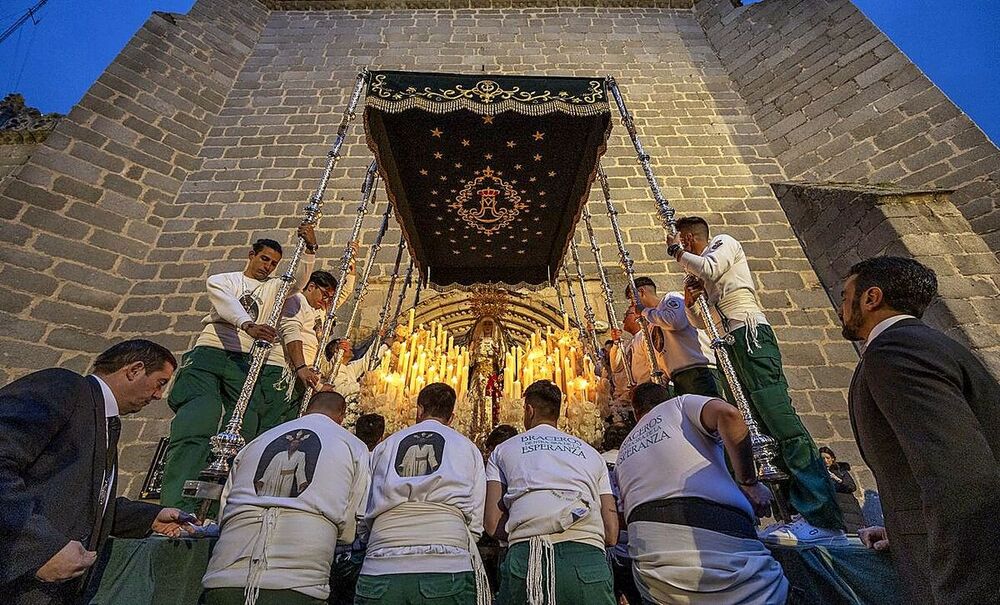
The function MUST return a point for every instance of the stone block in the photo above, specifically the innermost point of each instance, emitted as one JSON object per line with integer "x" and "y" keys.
{"x": 63, "y": 314}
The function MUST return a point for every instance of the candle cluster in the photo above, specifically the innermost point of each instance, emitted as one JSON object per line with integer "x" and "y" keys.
{"x": 421, "y": 355}
{"x": 555, "y": 355}
{"x": 418, "y": 357}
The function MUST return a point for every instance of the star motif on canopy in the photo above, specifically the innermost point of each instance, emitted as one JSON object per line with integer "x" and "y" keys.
{"x": 538, "y": 157}
{"x": 511, "y": 144}
{"x": 423, "y": 172}
{"x": 437, "y": 132}
{"x": 487, "y": 119}
{"x": 438, "y": 155}
{"x": 538, "y": 136}
{"x": 465, "y": 142}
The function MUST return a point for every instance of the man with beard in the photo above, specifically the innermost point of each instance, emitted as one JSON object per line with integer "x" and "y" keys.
{"x": 926, "y": 417}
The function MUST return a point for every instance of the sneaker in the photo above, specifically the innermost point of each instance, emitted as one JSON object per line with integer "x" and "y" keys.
{"x": 800, "y": 532}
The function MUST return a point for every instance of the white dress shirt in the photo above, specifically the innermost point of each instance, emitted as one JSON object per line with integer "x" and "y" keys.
{"x": 884, "y": 325}
{"x": 110, "y": 411}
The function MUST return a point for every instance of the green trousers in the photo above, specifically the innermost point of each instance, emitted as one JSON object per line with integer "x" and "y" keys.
{"x": 203, "y": 398}
{"x": 417, "y": 589}
{"x": 234, "y": 596}
{"x": 583, "y": 576}
{"x": 696, "y": 381}
{"x": 810, "y": 491}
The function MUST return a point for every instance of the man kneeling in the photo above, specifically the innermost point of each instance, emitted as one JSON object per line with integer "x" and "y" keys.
{"x": 690, "y": 526}
{"x": 549, "y": 495}
{"x": 293, "y": 494}
{"x": 425, "y": 511}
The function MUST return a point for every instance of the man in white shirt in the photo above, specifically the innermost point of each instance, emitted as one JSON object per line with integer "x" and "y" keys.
{"x": 302, "y": 324}
{"x": 425, "y": 512}
{"x": 691, "y": 528}
{"x": 628, "y": 356}
{"x": 549, "y": 496}
{"x": 278, "y": 537}
{"x": 723, "y": 274}
{"x": 676, "y": 342}
{"x": 212, "y": 374}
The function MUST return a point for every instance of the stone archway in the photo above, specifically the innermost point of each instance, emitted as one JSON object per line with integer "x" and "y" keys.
{"x": 521, "y": 313}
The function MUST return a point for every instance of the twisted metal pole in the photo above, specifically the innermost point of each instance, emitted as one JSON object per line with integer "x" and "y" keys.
{"x": 765, "y": 448}
{"x": 576, "y": 310}
{"x": 609, "y": 300}
{"x": 362, "y": 288}
{"x": 367, "y": 190}
{"x": 399, "y": 301}
{"x": 588, "y": 310}
{"x": 229, "y": 441}
{"x": 383, "y": 313}
{"x": 655, "y": 373}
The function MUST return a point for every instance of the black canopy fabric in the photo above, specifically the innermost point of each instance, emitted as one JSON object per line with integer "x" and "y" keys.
{"x": 488, "y": 174}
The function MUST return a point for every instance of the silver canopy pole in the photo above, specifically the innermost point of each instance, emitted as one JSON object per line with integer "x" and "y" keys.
{"x": 362, "y": 287}
{"x": 367, "y": 190}
{"x": 228, "y": 443}
{"x": 609, "y": 303}
{"x": 765, "y": 448}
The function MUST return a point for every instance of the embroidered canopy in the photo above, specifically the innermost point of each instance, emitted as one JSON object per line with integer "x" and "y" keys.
{"x": 488, "y": 174}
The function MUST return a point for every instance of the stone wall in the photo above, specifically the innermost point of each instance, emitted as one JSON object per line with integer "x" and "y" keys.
{"x": 12, "y": 157}
{"x": 263, "y": 156}
{"x": 837, "y": 101}
{"x": 211, "y": 130}
{"x": 841, "y": 225}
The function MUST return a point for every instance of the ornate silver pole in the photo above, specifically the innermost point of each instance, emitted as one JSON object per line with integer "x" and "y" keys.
{"x": 609, "y": 300}
{"x": 663, "y": 209}
{"x": 576, "y": 310}
{"x": 228, "y": 443}
{"x": 383, "y": 314}
{"x": 367, "y": 190}
{"x": 399, "y": 301}
{"x": 655, "y": 373}
{"x": 362, "y": 288}
{"x": 420, "y": 289}
{"x": 559, "y": 297}
{"x": 765, "y": 448}
{"x": 588, "y": 310}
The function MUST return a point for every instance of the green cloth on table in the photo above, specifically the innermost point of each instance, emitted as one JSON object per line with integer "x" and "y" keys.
{"x": 583, "y": 575}
{"x": 153, "y": 571}
{"x": 763, "y": 381}
{"x": 203, "y": 397}
{"x": 846, "y": 575}
{"x": 417, "y": 589}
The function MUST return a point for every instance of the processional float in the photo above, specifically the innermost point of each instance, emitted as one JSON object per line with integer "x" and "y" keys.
{"x": 472, "y": 170}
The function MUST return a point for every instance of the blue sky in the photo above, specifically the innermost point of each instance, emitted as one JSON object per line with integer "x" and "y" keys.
{"x": 956, "y": 43}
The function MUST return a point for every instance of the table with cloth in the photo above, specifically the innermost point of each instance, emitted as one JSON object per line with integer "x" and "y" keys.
{"x": 162, "y": 571}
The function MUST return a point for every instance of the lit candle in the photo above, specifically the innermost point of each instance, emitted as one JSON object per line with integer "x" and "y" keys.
{"x": 412, "y": 317}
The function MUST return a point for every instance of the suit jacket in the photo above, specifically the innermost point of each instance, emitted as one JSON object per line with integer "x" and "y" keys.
{"x": 53, "y": 448}
{"x": 926, "y": 416}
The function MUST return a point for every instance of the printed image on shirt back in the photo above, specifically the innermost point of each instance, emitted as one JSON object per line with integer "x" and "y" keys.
{"x": 287, "y": 465}
{"x": 419, "y": 454}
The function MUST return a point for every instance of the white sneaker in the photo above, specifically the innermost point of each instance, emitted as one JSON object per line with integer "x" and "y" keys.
{"x": 799, "y": 531}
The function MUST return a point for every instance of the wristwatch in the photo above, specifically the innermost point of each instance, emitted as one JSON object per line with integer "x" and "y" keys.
{"x": 311, "y": 249}
{"x": 674, "y": 249}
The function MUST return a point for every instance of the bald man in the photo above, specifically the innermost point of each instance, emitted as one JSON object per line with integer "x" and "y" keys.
{"x": 277, "y": 545}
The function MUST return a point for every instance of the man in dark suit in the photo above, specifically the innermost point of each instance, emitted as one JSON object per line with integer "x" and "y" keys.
{"x": 58, "y": 469}
{"x": 926, "y": 416}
